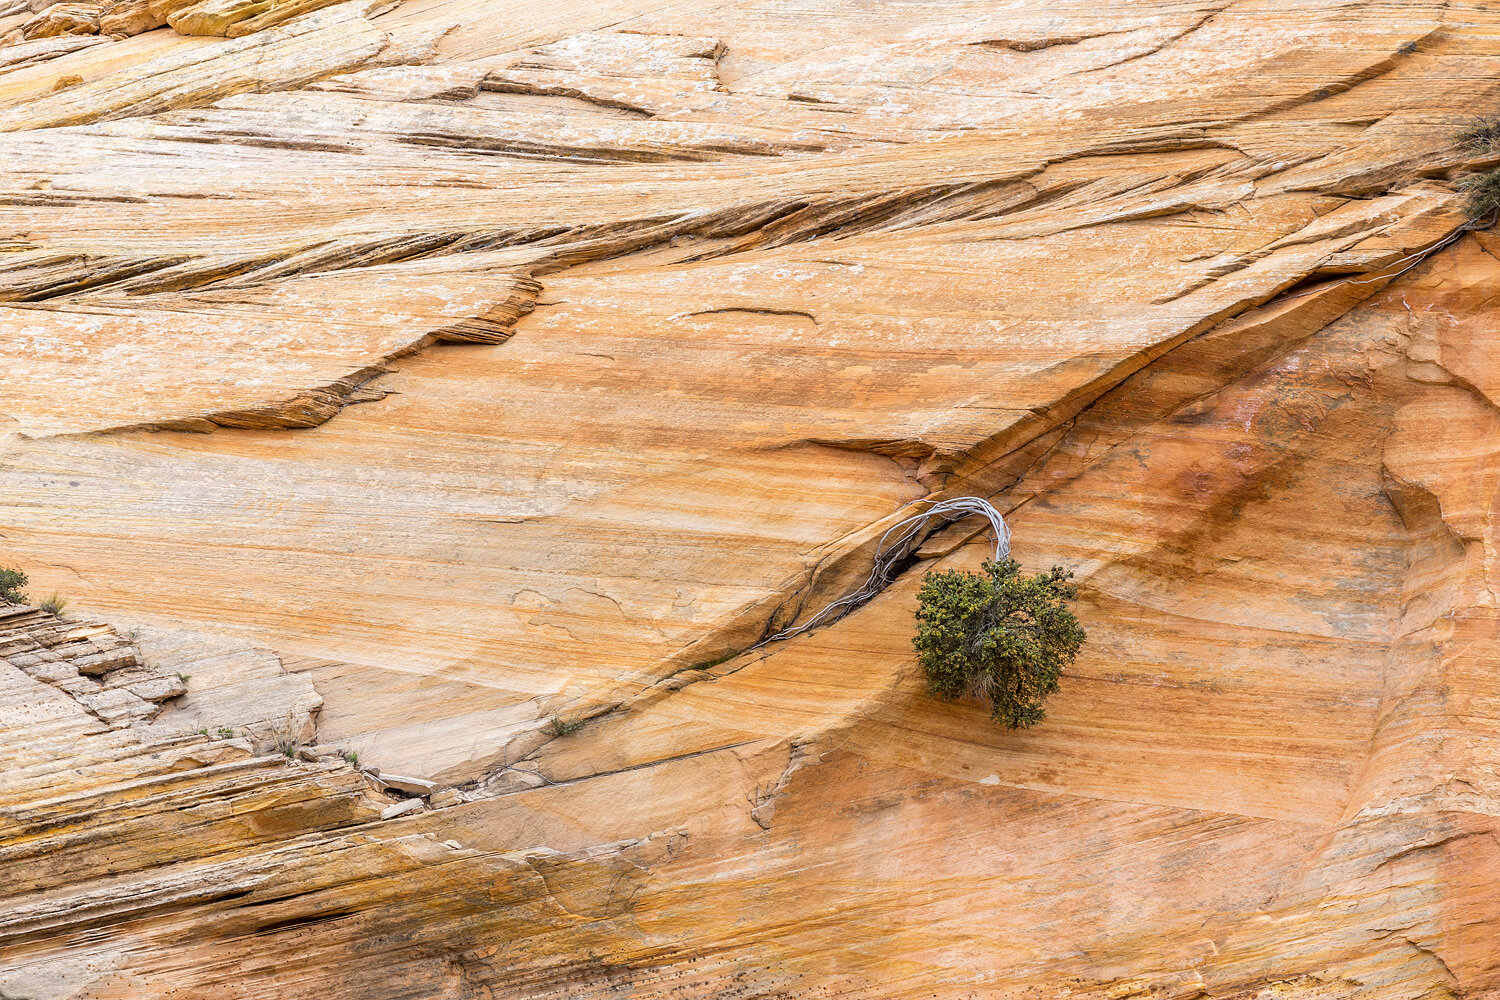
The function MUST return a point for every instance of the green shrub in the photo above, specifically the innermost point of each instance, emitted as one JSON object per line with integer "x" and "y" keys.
{"x": 997, "y": 635}
{"x": 1484, "y": 194}
{"x": 11, "y": 582}
{"x": 1482, "y": 136}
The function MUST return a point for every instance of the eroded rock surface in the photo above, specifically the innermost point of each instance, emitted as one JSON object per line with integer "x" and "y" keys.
{"x": 417, "y": 381}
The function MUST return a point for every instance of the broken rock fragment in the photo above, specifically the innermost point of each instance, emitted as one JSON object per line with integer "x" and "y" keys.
{"x": 236, "y": 18}
{"x": 401, "y": 809}
{"x": 132, "y": 17}
{"x": 447, "y": 797}
{"x": 64, "y": 19}
{"x": 412, "y": 786}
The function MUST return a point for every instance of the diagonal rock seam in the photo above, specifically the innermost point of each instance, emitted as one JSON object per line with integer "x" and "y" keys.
{"x": 756, "y": 226}
{"x": 849, "y": 558}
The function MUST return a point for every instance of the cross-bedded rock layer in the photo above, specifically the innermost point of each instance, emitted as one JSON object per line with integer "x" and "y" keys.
{"x": 434, "y": 376}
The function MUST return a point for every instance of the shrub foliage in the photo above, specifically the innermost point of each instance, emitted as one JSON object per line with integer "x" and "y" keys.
{"x": 1482, "y": 136}
{"x": 11, "y": 582}
{"x": 997, "y": 635}
{"x": 1484, "y": 194}
{"x": 1484, "y": 188}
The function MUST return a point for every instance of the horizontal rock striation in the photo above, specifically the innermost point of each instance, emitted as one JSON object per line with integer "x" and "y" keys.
{"x": 432, "y": 406}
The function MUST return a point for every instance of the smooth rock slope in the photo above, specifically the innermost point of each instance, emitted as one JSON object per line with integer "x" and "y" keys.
{"x": 397, "y": 385}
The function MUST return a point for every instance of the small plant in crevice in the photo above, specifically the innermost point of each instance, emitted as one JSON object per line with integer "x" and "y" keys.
{"x": 1484, "y": 195}
{"x": 1483, "y": 188}
{"x": 184, "y": 678}
{"x": 284, "y": 737}
{"x": 54, "y": 605}
{"x": 1483, "y": 136}
{"x": 352, "y": 756}
{"x": 716, "y": 661}
{"x": 226, "y": 732}
{"x": 997, "y": 635}
{"x": 11, "y": 582}
{"x": 559, "y": 726}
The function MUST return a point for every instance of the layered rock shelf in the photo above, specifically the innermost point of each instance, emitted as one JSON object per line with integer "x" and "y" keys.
{"x": 426, "y": 408}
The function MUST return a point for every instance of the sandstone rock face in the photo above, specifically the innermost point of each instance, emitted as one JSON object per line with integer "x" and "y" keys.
{"x": 131, "y": 17}
{"x": 64, "y": 19}
{"x": 392, "y": 388}
{"x": 233, "y": 18}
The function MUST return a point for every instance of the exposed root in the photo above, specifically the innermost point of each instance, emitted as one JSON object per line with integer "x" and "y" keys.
{"x": 894, "y": 550}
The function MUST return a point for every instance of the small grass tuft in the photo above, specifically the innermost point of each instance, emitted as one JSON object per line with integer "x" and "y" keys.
{"x": 184, "y": 677}
{"x": 284, "y": 737}
{"x": 559, "y": 726}
{"x": 54, "y": 605}
{"x": 352, "y": 756}
{"x": 226, "y": 732}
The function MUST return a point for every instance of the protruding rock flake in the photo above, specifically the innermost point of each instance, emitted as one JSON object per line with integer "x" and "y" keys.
{"x": 444, "y": 428}
{"x": 92, "y": 662}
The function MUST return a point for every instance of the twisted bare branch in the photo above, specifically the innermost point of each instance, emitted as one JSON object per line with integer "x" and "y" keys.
{"x": 894, "y": 547}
